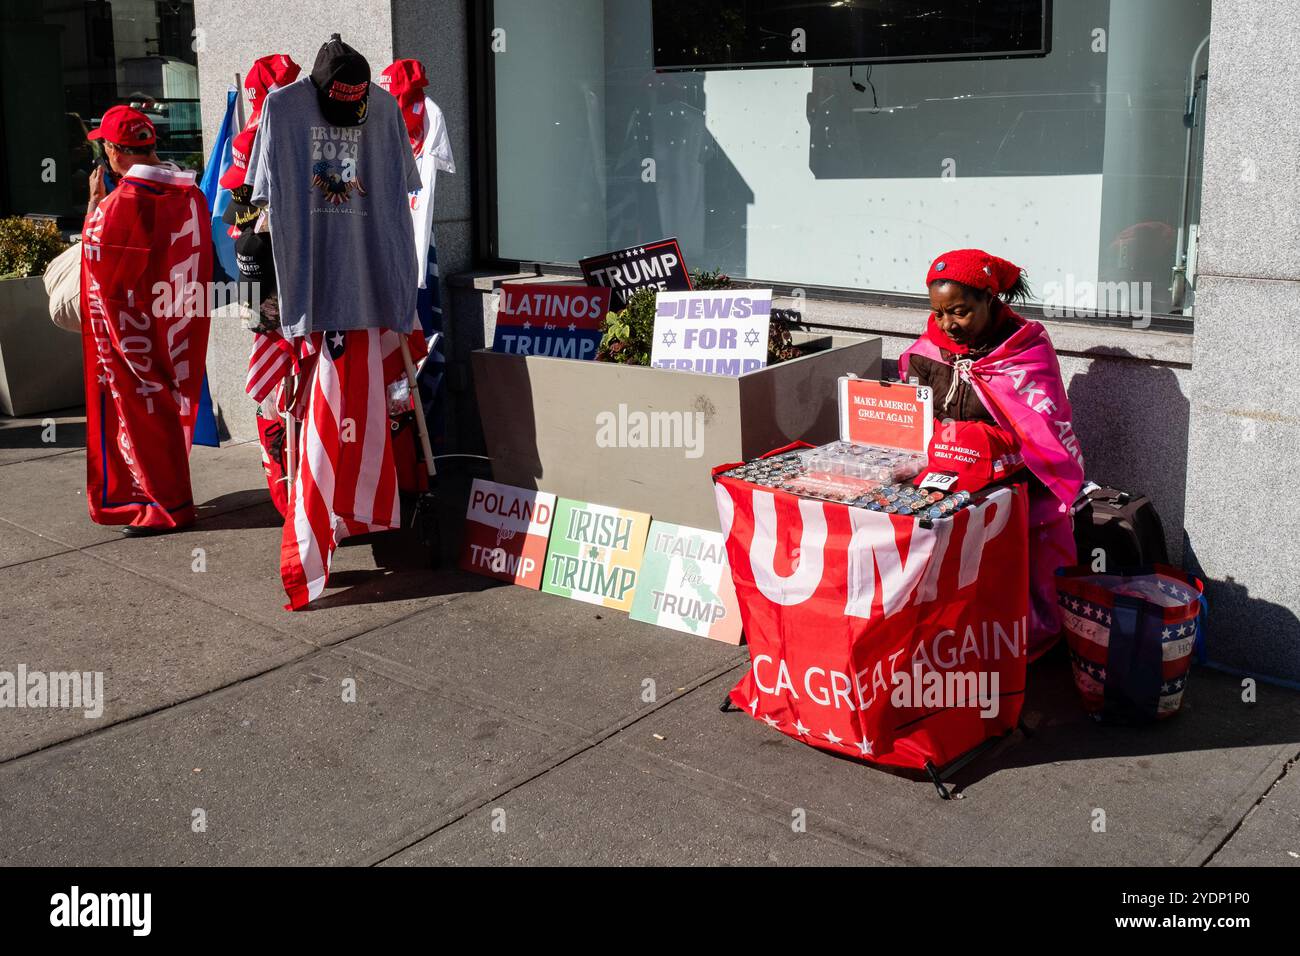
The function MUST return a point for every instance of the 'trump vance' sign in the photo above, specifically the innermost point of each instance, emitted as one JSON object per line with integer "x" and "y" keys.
{"x": 657, "y": 266}
{"x": 718, "y": 333}
{"x": 560, "y": 321}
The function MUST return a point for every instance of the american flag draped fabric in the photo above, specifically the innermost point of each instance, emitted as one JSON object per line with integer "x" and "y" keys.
{"x": 1131, "y": 638}
{"x": 346, "y": 483}
{"x": 269, "y": 362}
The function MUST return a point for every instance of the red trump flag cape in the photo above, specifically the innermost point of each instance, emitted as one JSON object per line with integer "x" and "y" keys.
{"x": 146, "y": 263}
{"x": 872, "y": 636}
{"x": 346, "y": 482}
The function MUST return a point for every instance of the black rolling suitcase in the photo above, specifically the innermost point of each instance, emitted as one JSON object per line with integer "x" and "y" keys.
{"x": 1116, "y": 529}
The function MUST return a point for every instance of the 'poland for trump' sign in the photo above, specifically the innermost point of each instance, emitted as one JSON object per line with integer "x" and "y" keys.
{"x": 717, "y": 333}
{"x": 559, "y": 321}
{"x": 506, "y": 530}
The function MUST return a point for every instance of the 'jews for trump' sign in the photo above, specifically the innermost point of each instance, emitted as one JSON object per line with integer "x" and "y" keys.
{"x": 560, "y": 321}
{"x": 595, "y": 553}
{"x": 657, "y": 266}
{"x": 718, "y": 333}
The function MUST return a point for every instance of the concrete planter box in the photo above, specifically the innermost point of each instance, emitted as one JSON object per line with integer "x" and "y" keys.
{"x": 579, "y": 429}
{"x": 40, "y": 363}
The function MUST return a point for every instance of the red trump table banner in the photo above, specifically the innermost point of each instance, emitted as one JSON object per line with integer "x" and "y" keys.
{"x": 873, "y": 636}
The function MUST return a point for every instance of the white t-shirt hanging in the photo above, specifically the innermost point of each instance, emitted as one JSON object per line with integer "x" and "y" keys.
{"x": 434, "y": 155}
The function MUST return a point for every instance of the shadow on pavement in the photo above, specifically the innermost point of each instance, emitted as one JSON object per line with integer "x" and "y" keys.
{"x": 1213, "y": 717}
{"x": 31, "y": 433}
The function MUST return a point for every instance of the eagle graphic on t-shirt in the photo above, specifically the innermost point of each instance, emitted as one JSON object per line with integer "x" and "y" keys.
{"x": 327, "y": 176}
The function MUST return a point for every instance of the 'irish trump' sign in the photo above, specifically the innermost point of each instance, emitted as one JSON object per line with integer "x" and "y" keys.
{"x": 717, "y": 333}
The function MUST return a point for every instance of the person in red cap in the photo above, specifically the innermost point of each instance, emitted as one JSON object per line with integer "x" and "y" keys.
{"x": 1001, "y": 410}
{"x": 128, "y": 139}
{"x": 146, "y": 273}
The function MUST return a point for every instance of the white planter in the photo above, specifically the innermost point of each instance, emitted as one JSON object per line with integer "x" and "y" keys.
{"x": 40, "y": 363}
{"x": 542, "y": 422}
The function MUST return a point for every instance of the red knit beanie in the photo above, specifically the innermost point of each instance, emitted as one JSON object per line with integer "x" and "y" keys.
{"x": 975, "y": 268}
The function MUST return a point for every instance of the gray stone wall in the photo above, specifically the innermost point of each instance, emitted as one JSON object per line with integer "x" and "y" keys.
{"x": 1242, "y": 528}
{"x": 435, "y": 33}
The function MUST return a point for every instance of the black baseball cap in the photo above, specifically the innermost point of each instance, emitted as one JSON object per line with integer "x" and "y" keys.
{"x": 342, "y": 79}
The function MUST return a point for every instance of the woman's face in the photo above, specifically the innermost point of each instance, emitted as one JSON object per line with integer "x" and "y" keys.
{"x": 962, "y": 314}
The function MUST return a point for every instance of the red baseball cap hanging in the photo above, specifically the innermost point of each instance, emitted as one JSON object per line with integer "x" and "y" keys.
{"x": 241, "y": 147}
{"x": 406, "y": 80}
{"x": 266, "y": 74}
{"x": 123, "y": 126}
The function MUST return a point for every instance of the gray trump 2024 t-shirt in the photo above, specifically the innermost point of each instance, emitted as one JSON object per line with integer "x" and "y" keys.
{"x": 340, "y": 214}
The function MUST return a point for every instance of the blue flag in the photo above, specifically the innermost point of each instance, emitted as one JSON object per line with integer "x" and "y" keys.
{"x": 224, "y": 268}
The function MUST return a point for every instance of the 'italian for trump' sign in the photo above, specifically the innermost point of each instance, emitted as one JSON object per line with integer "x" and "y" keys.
{"x": 686, "y": 584}
{"x": 559, "y": 321}
{"x": 595, "y": 553}
{"x": 717, "y": 333}
{"x": 505, "y": 532}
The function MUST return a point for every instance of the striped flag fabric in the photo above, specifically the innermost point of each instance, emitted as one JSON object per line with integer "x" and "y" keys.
{"x": 268, "y": 363}
{"x": 346, "y": 482}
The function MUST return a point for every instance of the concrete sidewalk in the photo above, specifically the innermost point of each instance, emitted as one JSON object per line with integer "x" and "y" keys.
{"x": 499, "y": 725}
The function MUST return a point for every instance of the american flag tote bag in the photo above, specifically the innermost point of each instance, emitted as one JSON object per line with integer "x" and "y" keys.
{"x": 1131, "y": 636}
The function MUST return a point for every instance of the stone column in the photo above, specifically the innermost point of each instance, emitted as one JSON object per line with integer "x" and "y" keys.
{"x": 1243, "y": 527}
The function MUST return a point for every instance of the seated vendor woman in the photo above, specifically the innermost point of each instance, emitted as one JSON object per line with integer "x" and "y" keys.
{"x": 1000, "y": 408}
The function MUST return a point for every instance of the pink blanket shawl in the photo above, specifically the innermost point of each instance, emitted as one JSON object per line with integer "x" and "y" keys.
{"x": 1020, "y": 384}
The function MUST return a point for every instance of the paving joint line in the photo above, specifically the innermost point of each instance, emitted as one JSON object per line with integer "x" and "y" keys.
{"x": 1259, "y": 801}
{"x": 690, "y": 775}
{"x": 69, "y": 547}
{"x": 411, "y": 679}
{"x": 27, "y": 461}
{"x": 94, "y": 732}
{"x": 842, "y": 833}
{"x": 528, "y": 776}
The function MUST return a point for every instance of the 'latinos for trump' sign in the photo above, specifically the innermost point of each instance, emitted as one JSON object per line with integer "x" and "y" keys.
{"x": 560, "y": 321}
{"x": 505, "y": 532}
{"x": 717, "y": 333}
{"x": 658, "y": 265}
{"x": 595, "y": 553}
{"x": 686, "y": 584}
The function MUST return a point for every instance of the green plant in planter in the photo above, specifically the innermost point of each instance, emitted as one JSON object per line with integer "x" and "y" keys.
{"x": 628, "y": 334}
{"x": 27, "y": 246}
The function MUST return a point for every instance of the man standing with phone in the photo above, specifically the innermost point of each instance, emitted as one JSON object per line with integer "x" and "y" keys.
{"x": 146, "y": 268}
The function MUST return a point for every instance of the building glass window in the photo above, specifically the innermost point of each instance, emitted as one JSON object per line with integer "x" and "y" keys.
{"x": 65, "y": 62}
{"x": 1080, "y": 164}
